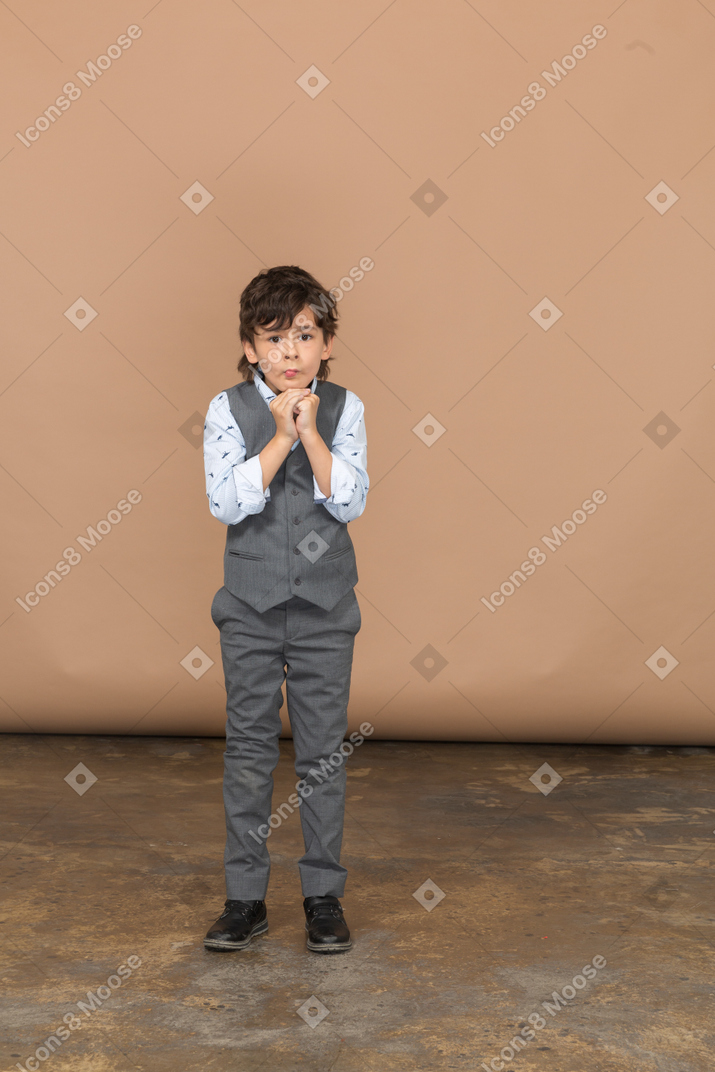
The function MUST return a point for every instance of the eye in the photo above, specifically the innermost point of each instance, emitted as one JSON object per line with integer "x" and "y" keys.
{"x": 306, "y": 335}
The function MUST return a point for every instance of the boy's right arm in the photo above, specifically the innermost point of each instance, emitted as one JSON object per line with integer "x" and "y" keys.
{"x": 272, "y": 457}
{"x": 236, "y": 486}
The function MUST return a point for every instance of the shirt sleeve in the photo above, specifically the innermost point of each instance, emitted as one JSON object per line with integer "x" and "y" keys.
{"x": 234, "y": 483}
{"x": 349, "y": 482}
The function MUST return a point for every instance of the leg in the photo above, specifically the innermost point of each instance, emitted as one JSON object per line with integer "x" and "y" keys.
{"x": 319, "y": 651}
{"x": 254, "y": 668}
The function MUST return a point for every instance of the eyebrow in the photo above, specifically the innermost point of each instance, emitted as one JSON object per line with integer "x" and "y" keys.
{"x": 277, "y": 331}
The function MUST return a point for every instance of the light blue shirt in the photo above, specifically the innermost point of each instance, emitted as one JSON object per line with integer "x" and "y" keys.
{"x": 234, "y": 483}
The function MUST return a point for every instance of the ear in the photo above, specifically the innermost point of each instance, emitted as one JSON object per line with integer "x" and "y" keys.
{"x": 327, "y": 348}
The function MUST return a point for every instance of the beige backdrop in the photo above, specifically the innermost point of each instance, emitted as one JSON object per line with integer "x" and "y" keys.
{"x": 536, "y": 329}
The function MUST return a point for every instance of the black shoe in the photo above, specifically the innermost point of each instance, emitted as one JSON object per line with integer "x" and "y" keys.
{"x": 237, "y": 924}
{"x": 327, "y": 930}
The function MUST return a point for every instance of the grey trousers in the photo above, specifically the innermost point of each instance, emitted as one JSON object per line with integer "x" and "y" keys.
{"x": 311, "y": 649}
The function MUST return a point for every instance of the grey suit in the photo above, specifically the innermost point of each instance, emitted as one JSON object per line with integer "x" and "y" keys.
{"x": 287, "y": 612}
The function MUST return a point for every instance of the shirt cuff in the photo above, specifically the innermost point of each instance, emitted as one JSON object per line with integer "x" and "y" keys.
{"x": 248, "y": 475}
{"x": 342, "y": 483}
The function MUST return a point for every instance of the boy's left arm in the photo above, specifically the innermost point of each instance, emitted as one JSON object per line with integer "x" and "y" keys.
{"x": 320, "y": 458}
{"x": 340, "y": 475}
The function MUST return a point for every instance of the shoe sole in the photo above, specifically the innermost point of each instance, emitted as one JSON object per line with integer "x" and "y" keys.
{"x": 260, "y": 928}
{"x": 320, "y": 947}
{"x": 329, "y": 948}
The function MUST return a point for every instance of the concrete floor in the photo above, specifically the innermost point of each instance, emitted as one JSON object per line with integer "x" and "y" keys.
{"x": 616, "y": 861}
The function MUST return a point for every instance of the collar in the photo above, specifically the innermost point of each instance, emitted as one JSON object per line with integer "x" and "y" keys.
{"x": 267, "y": 392}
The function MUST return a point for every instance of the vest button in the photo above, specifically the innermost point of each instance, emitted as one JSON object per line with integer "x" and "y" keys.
{"x": 294, "y": 491}
{"x": 297, "y": 581}
{"x": 296, "y": 550}
{"x": 296, "y": 521}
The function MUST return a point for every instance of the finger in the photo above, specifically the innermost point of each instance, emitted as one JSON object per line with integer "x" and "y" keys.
{"x": 290, "y": 393}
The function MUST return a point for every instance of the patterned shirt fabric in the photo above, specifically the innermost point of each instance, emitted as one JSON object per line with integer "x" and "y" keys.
{"x": 234, "y": 483}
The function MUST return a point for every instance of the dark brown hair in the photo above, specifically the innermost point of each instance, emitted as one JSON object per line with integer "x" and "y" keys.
{"x": 279, "y": 294}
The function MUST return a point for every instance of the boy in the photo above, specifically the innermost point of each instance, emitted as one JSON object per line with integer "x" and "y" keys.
{"x": 285, "y": 456}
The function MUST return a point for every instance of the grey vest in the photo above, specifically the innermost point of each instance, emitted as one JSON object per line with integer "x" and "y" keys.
{"x": 294, "y": 546}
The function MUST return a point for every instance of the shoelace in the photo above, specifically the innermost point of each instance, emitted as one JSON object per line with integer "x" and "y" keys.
{"x": 237, "y": 907}
{"x": 326, "y": 910}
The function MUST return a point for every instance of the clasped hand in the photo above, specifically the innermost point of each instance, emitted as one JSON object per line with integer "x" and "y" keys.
{"x": 294, "y": 411}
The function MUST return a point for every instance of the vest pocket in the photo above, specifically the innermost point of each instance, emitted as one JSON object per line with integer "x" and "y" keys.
{"x": 246, "y": 554}
{"x": 336, "y": 554}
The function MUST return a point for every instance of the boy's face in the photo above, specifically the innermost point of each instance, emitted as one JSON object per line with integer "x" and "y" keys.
{"x": 289, "y": 357}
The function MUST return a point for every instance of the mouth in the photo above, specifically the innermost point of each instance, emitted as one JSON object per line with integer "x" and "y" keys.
{"x": 290, "y": 373}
